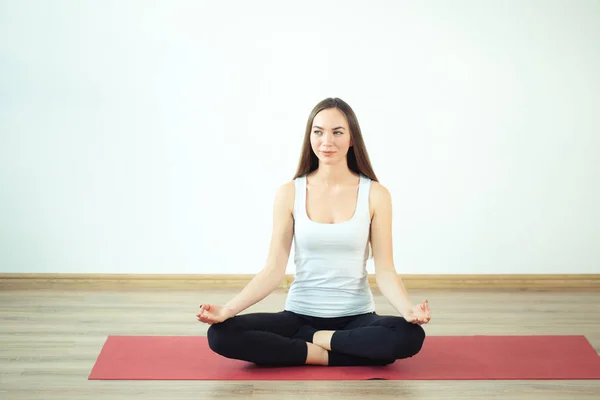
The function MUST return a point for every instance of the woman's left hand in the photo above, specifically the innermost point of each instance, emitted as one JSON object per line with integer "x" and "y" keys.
{"x": 419, "y": 314}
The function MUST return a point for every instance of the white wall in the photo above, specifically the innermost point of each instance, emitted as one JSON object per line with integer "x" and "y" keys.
{"x": 150, "y": 137}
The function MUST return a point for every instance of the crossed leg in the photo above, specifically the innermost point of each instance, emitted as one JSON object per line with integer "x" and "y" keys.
{"x": 371, "y": 336}
{"x": 260, "y": 338}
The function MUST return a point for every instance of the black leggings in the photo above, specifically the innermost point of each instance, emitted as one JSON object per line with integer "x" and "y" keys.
{"x": 279, "y": 339}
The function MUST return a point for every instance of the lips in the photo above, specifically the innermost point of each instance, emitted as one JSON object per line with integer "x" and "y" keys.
{"x": 328, "y": 153}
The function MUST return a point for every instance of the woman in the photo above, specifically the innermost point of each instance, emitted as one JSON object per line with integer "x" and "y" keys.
{"x": 336, "y": 211}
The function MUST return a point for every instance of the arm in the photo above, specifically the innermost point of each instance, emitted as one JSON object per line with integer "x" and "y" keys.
{"x": 270, "y": 277}
{"x": 387, "y": 278}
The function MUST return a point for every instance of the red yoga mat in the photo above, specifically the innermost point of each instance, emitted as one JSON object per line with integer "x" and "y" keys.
{"x": 441, "y": 358}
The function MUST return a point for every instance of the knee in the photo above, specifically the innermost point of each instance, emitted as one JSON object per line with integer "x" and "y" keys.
{"x": 410, "y": 341}
{"x": 219, "y": 339}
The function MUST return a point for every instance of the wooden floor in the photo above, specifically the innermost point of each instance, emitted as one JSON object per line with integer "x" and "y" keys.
{"x": 49, "y": 341}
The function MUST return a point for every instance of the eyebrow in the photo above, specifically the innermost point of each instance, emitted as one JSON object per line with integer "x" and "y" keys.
{"x": 337, "y": 127}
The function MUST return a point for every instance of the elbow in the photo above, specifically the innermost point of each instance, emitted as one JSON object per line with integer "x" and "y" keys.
{"x": 275, "y": 273}
{"x": 384, "y": 274}
{"x": 379, "y": 278}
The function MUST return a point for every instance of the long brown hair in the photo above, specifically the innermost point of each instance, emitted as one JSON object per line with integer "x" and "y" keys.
{"x": 357, "y": 157}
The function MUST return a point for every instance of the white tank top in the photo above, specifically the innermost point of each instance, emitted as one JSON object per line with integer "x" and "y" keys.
{"x": 331, "y": 274}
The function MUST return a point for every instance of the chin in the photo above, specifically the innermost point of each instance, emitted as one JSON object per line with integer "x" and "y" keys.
{"x": 328, "y": 161}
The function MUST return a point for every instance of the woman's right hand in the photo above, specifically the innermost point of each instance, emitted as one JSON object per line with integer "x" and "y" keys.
{"x": 419, "y": 314}
{"x": 213, "y": 314}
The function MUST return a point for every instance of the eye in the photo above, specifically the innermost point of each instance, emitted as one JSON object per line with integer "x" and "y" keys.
{"x": 317, "y": 132}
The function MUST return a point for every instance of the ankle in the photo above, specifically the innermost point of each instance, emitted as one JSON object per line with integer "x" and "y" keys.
{"x": 323, "y": 339}
{"x": 316, "y": 355}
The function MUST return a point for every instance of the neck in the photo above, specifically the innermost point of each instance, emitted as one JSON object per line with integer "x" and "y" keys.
{"x": 331, "y": 175}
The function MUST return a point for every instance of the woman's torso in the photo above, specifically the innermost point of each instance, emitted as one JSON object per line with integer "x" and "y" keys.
{"x": 331, "y": 237}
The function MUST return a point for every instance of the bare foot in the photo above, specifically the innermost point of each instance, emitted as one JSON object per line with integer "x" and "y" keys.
{"x": 323, "y": 339}
{"x": 316, "y": 355}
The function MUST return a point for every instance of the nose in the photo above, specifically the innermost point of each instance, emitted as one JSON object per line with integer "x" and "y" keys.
{"x": 328, "y": 138}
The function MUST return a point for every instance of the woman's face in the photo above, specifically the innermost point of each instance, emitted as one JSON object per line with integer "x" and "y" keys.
{"x": 330, "y": 136}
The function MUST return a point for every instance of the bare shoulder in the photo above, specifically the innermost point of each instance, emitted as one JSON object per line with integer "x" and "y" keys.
{"x": 284, "y": 196}
{"x": 380, "y": 199}
{"x": 379, "y": 194}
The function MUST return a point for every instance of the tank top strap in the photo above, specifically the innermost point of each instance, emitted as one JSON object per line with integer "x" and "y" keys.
{"x": 363, "y": 194}
{"x": 300, "y": 197}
